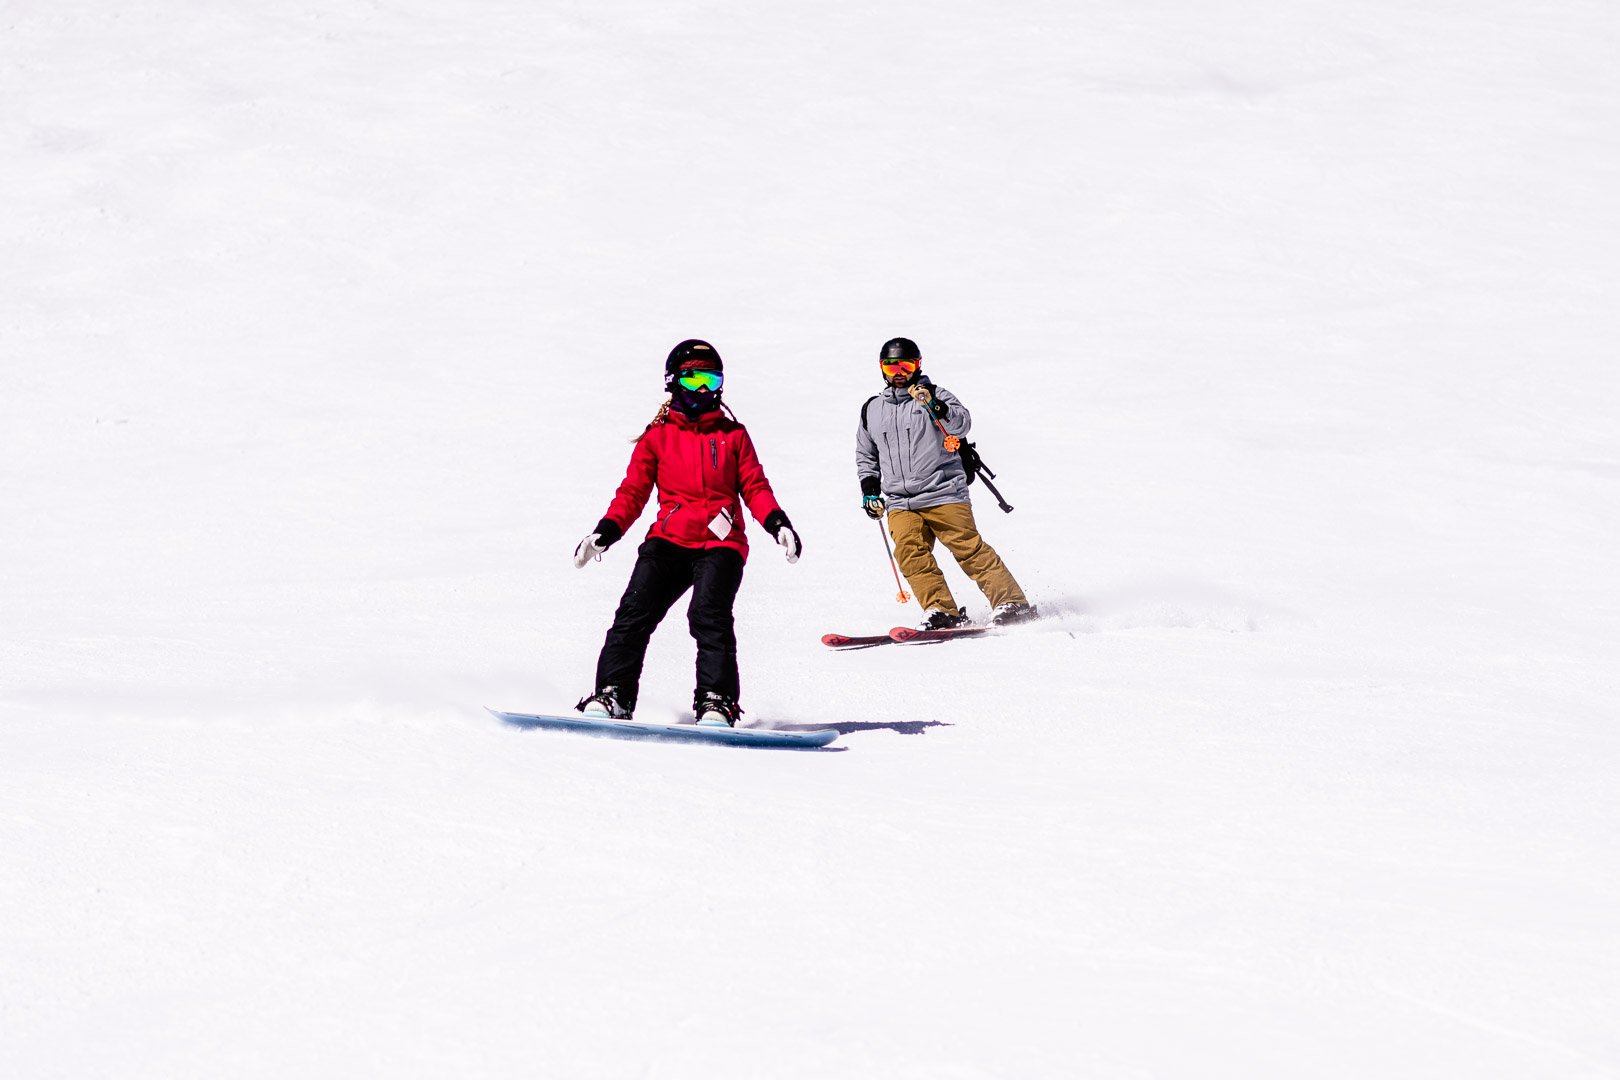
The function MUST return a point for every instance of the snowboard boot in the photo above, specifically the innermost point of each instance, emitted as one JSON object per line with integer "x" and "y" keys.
{"x": 939, "y": 619}
{"x": 1012, "y": 614}
{"x": 716, "y": 710}
{"x": 605, "y": 703}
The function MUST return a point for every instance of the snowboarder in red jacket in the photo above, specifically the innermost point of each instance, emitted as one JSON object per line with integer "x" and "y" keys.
{"x": 704, "y": 466}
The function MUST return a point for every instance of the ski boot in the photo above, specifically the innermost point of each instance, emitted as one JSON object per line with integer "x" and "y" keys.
{"x": 716, "y": 710}
{"x": 1013, "y": 613}
{"x": 939, "y": 619}
{"x": 605, "y": 703}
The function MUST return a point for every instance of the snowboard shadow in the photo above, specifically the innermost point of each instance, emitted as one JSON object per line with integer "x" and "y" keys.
{"x": 902, "y": 727}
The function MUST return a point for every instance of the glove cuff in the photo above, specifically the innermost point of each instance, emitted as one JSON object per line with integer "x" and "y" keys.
{"x": 775, "y": 520}
{"x": 871, "y": 485}
{"x": 608, "y": 532}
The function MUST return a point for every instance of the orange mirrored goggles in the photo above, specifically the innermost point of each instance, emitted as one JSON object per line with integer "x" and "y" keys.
{"x": 898, "y": 367}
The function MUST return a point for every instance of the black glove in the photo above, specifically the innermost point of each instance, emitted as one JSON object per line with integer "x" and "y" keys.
{"x": 872, "y": 497}
{"x": 607, "y": 534}
{"x": 922, "y": 392}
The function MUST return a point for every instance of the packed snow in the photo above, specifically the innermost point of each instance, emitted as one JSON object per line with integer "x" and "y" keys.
{"x": 1289, "y": 330}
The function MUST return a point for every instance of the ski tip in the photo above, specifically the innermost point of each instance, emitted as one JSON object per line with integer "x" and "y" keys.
{"x": 846, "y": 641}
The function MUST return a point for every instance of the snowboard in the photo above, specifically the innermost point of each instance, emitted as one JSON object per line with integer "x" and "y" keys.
{"x": 603, "y": 727}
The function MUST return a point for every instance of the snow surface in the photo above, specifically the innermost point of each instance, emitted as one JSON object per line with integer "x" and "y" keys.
{"x": 1289, "y": 328}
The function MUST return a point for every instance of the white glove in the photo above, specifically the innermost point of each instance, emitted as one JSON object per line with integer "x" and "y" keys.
{"x": 589, "y": 548}
{"x": 789, "y": 541}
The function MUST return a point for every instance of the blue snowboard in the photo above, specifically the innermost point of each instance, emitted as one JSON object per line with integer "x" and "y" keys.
{"x": 635, "y": 729}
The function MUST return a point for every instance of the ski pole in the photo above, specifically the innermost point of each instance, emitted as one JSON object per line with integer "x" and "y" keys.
{"x": 951, "y": 441}
{"x": 952, "y": 445}
{"x": 1005, "y": 509}
{"x": 902, "y": 596}
{"x": 986, "y": 475}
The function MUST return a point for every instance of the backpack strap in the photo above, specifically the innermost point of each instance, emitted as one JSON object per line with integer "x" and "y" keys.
{"x": 864, "y": 407}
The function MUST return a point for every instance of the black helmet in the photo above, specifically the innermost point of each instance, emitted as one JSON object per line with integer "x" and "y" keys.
{"x": 900, "y": 349}
{"x": 691, "y": 355}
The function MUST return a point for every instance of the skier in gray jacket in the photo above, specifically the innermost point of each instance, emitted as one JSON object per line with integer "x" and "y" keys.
{"x": 907, "y": 462}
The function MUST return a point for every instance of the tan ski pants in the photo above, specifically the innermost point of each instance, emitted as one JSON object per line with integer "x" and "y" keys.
{"x": 914, "y": 533}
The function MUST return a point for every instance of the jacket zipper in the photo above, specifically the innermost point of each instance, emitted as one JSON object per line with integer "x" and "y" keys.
{"x": 663, "y": 521}
{"x": 704, "y": 480}
{"x": 906, "y": 446}
{"x": 899, "y": 473}
{"x": 714, "y": 455}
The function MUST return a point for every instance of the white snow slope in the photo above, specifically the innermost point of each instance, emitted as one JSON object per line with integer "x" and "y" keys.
{"x": 1290, "y": 330}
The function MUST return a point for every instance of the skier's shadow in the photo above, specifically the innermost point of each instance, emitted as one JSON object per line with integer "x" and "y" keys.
{"x": 902, "y": 727}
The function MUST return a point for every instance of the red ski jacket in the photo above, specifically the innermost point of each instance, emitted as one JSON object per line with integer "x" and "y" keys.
{"x": 700, "y": 467}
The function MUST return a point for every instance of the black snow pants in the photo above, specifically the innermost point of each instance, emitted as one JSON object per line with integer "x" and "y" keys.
{"x": 663, "y": 572}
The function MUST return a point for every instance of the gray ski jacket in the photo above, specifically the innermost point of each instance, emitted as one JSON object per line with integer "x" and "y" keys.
{"x": 897, "y": 442}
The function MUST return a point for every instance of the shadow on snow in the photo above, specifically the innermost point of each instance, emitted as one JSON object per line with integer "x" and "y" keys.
{"x": 902, "y": 727}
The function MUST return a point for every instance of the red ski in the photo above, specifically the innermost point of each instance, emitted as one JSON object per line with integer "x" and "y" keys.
{"x": 843, "y": 641}
{"x": 905, "y": 634}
